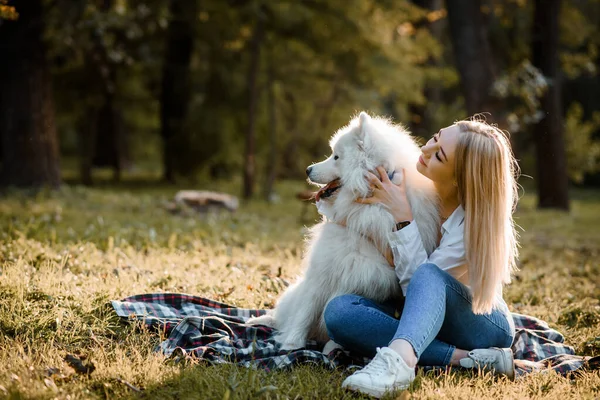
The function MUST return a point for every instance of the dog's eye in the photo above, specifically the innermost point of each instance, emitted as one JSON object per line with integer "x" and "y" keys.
{"x": 336, "y": 157}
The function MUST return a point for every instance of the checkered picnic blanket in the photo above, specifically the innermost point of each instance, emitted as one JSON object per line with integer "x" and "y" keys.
{"x": 216, "y": 332}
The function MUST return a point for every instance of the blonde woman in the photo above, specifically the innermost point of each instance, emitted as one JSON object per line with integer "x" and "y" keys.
{"x": 453, "y": 313}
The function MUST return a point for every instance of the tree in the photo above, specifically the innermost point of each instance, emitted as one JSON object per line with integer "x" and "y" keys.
{"x": 255, "y": 46}
{"x": 329, "y": 59}
{"x": 102, "y": 134}
{"x": 423, "y": 115}
{"x": 176, "y": 81}
{"x": 472, "y": 53}
{"x": 27, "y": 121}
{"x": 552, "y": 178}
{"x": 271, "y": 170}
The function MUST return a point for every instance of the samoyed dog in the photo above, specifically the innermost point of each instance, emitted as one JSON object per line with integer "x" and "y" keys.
{"x": 344, "y": 251}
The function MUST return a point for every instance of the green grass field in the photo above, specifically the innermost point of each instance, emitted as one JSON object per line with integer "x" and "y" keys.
{"x": 66, "y": 254}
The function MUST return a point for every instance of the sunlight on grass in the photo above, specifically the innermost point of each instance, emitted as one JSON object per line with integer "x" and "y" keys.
{"x": 66, "y": 254}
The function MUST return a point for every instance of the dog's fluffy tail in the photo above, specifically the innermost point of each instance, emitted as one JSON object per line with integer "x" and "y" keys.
{"x": 266, "y": 320}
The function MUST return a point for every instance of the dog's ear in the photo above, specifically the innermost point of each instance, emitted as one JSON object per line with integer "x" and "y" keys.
{"x": 363, "y": 122}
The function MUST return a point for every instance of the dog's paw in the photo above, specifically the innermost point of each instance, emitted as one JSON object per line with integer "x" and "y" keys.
{"x": 288, "y": 346}
{"x": 266, "y": 320}
{"x": 289, "y": 342}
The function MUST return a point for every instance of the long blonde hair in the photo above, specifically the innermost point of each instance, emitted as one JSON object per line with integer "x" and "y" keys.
{"x": 486, "y": 172}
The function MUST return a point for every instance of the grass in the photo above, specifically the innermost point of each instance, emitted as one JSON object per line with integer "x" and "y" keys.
{"x": 66, "y": 254}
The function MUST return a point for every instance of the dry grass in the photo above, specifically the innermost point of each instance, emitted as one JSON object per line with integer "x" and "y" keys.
{"x": 64, "y": 255}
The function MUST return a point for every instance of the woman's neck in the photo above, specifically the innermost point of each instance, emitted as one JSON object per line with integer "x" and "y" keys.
{"x": 448, "y": 199}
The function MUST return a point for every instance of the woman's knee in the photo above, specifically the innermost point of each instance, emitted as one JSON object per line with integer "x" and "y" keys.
{"x": 428, "y": 273}
{"x": 338, "y": 310}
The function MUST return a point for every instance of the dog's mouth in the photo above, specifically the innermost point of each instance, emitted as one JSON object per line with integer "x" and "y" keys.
{"x": 328, "y": 190}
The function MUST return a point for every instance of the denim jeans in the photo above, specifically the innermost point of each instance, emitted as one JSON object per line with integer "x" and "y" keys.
{"x": 436, "y": 318}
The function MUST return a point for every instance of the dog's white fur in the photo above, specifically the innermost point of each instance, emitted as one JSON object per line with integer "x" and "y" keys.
{"x": 341, "y": 260}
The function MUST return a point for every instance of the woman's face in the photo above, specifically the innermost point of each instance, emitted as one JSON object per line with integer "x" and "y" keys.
{"x": 437, "y": 158}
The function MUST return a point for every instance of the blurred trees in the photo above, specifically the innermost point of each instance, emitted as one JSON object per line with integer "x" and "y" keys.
{"x": 255, "y": 88}
{"x": 101, "y": 62}
{"x": 472, "y": 53}
{"x": 176, "y": 82}
{"x": 27, "y": 120}
{"x": 7, "y": 11}
{"x": 423, "y": 115}
{"x": 255, "y": 45}
{"x": 102, "y": 134}
{"x": 552, "y": 179}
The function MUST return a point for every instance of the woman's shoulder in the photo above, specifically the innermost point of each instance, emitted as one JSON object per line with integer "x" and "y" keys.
{"x": 455, "y": 222}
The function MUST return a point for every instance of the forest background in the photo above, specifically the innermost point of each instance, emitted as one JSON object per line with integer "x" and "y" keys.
{"x": 109, "y": 107}
{"x": 217, "y": 89}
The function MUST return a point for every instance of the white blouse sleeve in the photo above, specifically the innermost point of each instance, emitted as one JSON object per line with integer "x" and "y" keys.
{"x": 409, "y": 253}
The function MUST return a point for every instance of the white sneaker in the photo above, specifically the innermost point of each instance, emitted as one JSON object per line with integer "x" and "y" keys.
{"x": 386, "y": 372}
{"x": 498, "y": 360}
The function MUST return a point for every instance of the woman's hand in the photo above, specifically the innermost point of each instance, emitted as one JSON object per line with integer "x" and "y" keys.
{"x": 393, "y": 197}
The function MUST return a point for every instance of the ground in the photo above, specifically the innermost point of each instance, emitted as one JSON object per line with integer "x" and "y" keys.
{"x": 66, "y": 254}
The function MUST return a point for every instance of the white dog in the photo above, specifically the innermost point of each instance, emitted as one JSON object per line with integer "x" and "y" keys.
{"x": 341, "y": 260}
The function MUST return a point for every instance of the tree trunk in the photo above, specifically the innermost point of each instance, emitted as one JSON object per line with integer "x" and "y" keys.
{"x": 88, "y": 130}
{"x": 423, "y": 115}
{"x": 102, "y": 136}
{"x": 27, "y": 121}
{"x": 272, "y": 161}
{"x": 552, "y": 178}
{"x": 290, "y": 167}
{"x": 176, "y": 80}
{"x": 249, "y": 156}
{"x": 110, "y": 146}
{"x": 472, "y": 53}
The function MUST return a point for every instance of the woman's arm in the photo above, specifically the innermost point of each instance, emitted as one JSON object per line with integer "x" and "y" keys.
{"x": 409, "y": 253}
{"x": 406, "y": 251}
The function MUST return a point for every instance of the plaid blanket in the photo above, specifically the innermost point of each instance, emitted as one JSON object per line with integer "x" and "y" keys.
{"x": 216, "y": 332}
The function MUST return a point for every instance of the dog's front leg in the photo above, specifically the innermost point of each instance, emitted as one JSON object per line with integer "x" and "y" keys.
{"x": 301, "y": 312}
{"x": 295, "y": 335}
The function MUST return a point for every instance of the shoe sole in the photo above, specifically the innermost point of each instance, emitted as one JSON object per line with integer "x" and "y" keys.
{"x": 374, "y": 392}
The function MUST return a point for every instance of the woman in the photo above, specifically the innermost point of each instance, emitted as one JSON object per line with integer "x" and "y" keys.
{"x": 453, "y": 313}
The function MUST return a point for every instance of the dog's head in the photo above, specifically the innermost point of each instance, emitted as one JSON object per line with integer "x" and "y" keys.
{"x": 356, "y": 148}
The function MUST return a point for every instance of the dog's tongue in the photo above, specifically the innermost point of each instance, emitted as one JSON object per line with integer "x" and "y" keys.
{"x": 333, "y": 184}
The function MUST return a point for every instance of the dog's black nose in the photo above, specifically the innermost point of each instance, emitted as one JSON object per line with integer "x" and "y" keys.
{"x": 308, "y": 171}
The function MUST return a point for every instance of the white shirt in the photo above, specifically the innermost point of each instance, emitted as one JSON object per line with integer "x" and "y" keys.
{"x": 409, "y": 253}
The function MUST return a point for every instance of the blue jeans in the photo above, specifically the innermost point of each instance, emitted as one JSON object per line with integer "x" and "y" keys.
{"x": 436, "y": 318}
